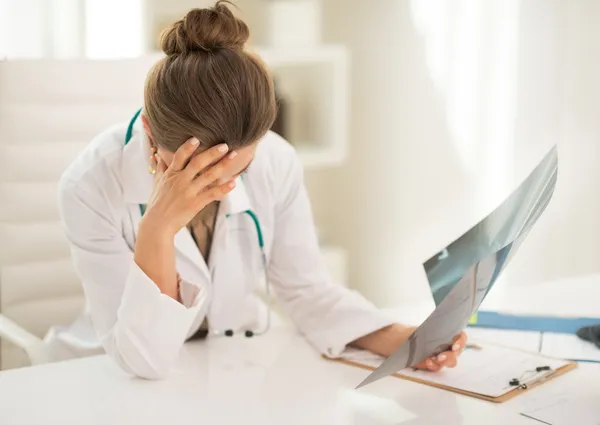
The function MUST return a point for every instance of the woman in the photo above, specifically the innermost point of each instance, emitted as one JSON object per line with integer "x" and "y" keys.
{"x": 174, "y": 254}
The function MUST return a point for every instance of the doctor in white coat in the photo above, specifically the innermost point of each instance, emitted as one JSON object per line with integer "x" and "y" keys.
{"x": 169, "y": 215}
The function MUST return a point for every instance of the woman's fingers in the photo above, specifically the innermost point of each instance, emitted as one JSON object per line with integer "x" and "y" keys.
{"x": 446, "y": 359}
{"x": 216, "y": 193}
{"x": 459, "y": 343}
{"x": 215, "y": 175}
{"x": 161, "y": 167}
{"x": 183, "y": 154}
{"x": 436, "y": 363}
{"x": 202, "y": 161}
{"x": 432, "y": 366}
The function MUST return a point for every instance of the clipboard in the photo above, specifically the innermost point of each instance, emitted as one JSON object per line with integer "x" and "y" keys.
{"x": 527, "y": 382}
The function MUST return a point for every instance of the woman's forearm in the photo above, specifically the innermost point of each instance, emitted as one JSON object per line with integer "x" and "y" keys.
{"x": 386, "y": 340}
{"x": 155, "y": 256}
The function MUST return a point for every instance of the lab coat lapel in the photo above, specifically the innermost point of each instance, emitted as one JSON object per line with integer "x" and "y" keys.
{"x": 136, "y": 181}
{"x": 226, "y": 265}
{"x": 189, "y": 259}
{"x": 236, "y": 202}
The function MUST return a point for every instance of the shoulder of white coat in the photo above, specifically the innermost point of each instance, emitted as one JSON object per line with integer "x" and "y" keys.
{"x": 97, "y": 167}
{"x": 277, "y": 158}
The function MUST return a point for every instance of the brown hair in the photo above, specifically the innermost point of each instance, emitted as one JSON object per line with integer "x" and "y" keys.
{"x": 208, "y": 86}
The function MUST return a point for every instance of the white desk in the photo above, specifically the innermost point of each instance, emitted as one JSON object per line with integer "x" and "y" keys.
{"x": 274, "y": 379}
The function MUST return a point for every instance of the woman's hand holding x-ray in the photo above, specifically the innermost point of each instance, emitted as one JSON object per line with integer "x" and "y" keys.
{"x": 181, "y": 190}
{"x": 446, "y": 359}
{"x": 387, "y": 340}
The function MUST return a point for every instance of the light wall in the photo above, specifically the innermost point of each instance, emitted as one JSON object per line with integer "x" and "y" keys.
{"x": 413, "y": 181}
{"x": 560, "y": 98}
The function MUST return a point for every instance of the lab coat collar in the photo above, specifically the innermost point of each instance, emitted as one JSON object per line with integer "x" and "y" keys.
{"x": 138, "y": 183}
{"x": 237, "y": 200}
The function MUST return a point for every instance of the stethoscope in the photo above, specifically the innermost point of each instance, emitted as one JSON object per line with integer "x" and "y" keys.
{"x": 261, "y": 245}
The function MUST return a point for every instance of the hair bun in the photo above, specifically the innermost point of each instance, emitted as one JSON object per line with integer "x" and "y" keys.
{"x": 205, "y": 30}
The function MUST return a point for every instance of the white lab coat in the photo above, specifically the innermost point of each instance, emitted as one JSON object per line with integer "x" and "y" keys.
{"x": 144, "y": 330}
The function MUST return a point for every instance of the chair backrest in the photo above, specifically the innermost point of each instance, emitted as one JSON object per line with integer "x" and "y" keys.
{"x": 49, "y": 111}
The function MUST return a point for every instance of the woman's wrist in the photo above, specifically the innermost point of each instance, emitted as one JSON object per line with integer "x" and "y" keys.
{"x": 155, "y": 228}
{"x": 155, "y": 256}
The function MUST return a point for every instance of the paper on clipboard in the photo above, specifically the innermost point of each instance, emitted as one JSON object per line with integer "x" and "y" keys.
{"x": 461, "y": 275}
{"x": 489, "y": 371}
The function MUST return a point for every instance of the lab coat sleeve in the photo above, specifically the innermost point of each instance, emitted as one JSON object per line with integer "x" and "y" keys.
{"x": 142, "y": 329}
{"x": 328, "y": 314}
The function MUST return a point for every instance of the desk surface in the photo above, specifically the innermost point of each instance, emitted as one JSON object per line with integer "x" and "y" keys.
{"x": 272, "y": 379}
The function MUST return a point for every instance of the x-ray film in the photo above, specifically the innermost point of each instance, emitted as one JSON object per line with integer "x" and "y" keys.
{"x": 461, "y": 275}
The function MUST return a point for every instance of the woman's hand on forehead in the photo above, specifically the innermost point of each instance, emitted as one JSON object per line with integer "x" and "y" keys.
{"x": 189, "y": 183}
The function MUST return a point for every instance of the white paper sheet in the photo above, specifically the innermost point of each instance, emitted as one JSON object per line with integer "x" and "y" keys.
{"x": 568, "y": 346}
{"x": 489, "y": 371}
{"x": 565, "y": 410}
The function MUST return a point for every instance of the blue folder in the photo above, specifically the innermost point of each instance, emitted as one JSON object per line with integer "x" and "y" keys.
{"x": 567, "y": 325}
